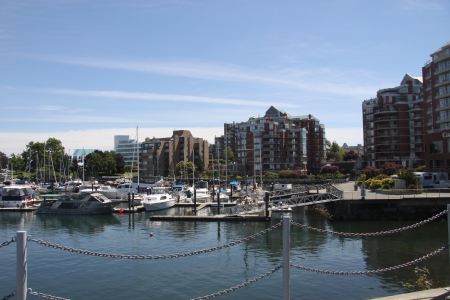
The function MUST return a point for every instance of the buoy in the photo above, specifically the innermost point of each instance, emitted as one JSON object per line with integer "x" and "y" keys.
{"x": 121, "y": 211}
{"x": 151, "y": 233}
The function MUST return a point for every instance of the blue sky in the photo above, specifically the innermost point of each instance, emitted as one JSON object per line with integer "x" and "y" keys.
{"x": 84, "y": 71}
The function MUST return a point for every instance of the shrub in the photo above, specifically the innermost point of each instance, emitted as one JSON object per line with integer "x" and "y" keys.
{"x": 376, "y": 184}
{"x": 387, "y": 183}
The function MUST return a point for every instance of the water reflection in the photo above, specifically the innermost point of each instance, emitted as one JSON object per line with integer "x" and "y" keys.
{"x": 84, "y": 224}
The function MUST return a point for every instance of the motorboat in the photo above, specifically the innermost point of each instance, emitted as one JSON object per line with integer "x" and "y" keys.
{"x": 18, "y": 196}
{"x": 78, "y": 204}
{"x": 202, "y": 194}
{"x": 159, "y": 199}
{"x": 280, "y": 210}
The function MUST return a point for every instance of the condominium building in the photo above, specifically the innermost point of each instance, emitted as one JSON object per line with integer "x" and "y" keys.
{"x": 275, "y": 142}
{"x": 436, "y": 74}
{"x": 128, "y": 148}
{"x": 393, "y": 125}
{"x": 159, "y": 156}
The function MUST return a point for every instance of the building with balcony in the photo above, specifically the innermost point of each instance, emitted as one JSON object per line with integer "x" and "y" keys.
{"x": 159, "y": 156}
{"x": 436, "y": 95}
{"x": 275, "y": 142}
{"x": 393, "y": 125}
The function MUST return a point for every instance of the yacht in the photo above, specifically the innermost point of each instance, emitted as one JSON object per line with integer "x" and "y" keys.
{"x": 202, "y": 194}
{"x": 159, "y": 199}
{"x": 78, "y": 204}
{"x": 19, "y": 196}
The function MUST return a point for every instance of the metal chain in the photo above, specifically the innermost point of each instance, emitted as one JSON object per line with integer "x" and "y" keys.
{"x": 372, "y": 233}
{"x": 42, "y": 295}
{"x": 371, "y": 272}
{"x": 235, "y": 288}
{"x": 120, "y": 256}
{"x": 9, "y": 296}
{"x": 13, "y": 239}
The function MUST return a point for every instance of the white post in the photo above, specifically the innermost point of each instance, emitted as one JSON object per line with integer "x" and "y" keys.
{"x": 21, "y": 265}
{"x": 286, "y": 257}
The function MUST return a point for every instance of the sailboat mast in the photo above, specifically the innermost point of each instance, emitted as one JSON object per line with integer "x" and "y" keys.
{"x": 137, "y": 149}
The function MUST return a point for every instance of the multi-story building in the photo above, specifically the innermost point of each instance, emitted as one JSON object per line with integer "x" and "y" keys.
{"x": 159, "y": 156}
{"x": 393, "y": 125}
{"x": 128, "y": 148}
{"x": 275, "y": 142}
{"x": 436, "y": 74}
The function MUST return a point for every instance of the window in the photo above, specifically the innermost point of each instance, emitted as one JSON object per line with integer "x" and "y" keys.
{"x": 436, "y": 147}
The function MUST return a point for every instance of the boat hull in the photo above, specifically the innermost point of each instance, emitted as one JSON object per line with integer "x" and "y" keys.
{"x": 158, "y": 205}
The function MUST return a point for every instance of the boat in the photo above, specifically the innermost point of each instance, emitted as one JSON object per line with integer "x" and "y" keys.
{"x": 202, "y": 194}
{"x": 78, "y": 204}
{"x": 280, "y": 210}
{"x": 18, "y": 196}
{"x": 159, "y": 199}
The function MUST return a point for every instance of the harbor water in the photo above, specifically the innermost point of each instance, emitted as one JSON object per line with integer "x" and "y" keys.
{"x": 80, "y": 276}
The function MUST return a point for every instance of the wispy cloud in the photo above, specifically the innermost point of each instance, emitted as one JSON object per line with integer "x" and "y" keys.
{"x": 421, "y": 5}
{"x": 161, "y": 97}
{"x": 319, "y": 80}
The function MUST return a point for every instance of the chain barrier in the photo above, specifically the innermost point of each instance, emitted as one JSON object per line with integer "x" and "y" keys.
{"x": 372, "y": 233}
{"x": 13, "y": 239}
{"x": 411, "y": 263}
{"x": 120, "y": 256}
{"x": 235, "y": 288}
{"x": 42, "y": 295}
{"x": 9, "y": 296}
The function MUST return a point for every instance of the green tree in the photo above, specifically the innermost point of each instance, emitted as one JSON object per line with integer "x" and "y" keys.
{"x": 409, "y": 177}
{"x": 18, "y": 164}
{"x": 3, "y": 160}
{"x": 228, "y": 154}
{"x": 199, "y": 165}
{"x": 184, "y": 168}
{"x": 120, "y": 162}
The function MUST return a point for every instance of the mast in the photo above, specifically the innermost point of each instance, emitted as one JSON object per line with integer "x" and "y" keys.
{"x": 83, "y": 165}
{"x": 137, "y": 150}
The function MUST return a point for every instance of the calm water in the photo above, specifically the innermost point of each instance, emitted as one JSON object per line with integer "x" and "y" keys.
{"x": 78, "y": 276}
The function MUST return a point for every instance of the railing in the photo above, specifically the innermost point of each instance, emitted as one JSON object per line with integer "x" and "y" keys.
{"x": 22, "y": 239}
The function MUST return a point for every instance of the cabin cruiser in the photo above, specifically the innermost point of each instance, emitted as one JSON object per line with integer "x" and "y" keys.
{"x": 202, "y": 194}
{"x": 159, "y": 199}
{"x": 18, "y": 196}
{"x": 78, "y": 204}
{"x": 279, "y": 210}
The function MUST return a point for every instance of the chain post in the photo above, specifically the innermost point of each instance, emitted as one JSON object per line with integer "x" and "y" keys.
{"x": 21, "y": 265}
{"x": 448, "y": 227}
{"x": 286, "y": 257}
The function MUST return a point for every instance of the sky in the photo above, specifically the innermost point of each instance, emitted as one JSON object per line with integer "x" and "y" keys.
{"x": 84, "y": 71}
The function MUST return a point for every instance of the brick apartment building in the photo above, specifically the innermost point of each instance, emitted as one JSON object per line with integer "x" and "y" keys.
{"x": 393, "y": 125}
{"x": 159, "y": 156}
{"x": 275, "y": 142}
{"x": 436, "y": 86}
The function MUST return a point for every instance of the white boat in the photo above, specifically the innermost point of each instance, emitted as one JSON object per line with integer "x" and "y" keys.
{"x": 78, "y": 204}
{"x": 18, "y": 196}
{"x": 280, "y": 210}
{"x": 158, "y": 200}
{"x": 202, "y": 194}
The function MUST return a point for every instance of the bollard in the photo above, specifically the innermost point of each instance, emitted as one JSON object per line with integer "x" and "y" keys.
{"x": 448, "y": 226}
{"x": 21, "y": 265}
{"x": 286, "y": 257}
{"x": 218, "y": 201}
{"x": 195, "y": 201}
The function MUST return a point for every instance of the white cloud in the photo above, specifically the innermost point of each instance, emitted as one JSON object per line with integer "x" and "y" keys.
{"x": 317, "y": 80}
{"x": 161, "y": 97}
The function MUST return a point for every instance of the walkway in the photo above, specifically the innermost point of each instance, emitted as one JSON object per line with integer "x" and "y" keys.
{"x": 434, "y": 294}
